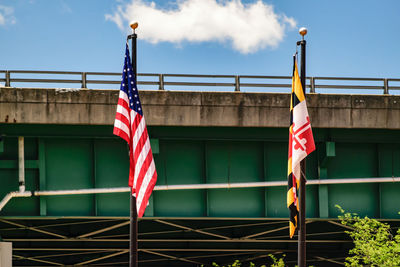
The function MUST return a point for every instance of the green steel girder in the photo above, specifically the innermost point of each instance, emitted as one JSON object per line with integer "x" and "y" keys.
{"x": 188, "y": 227}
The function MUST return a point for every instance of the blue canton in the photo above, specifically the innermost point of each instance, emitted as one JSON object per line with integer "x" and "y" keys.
{"x": 128, "y": 84}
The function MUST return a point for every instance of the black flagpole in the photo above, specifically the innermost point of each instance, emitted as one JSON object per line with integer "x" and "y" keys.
{"x": 133, "y": 243}
{"x": 301, "y": 256}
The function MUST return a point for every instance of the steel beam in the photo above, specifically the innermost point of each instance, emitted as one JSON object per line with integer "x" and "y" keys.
{"x": 329, "y": 260}
{"x": 172, "y": 240}
{"x": 37, "y": 260}
{"x": 104, "y": 229}
{"x": 33, "y": 229}
{"x": 191, "y": 229}
{"x": 270, "y": 231}
{"x": 342, "y": 225}
{"x": 102, "y": 258}
{"x": 170, "y": 257}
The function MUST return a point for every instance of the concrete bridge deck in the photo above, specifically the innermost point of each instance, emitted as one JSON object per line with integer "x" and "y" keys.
{"x": 215, "y": 109}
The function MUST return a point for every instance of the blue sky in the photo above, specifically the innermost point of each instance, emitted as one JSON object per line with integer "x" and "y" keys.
{"x": 346, "y": 38}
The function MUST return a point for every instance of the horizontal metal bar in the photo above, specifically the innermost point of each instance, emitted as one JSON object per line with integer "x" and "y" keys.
{"x": 153, "y": 249}
{"x": 45, "y": 72}
{"x": 233, "y": 240}
{"x": 81, "y": 191}
{"x": 102, "y": 82}
{"x": 211, "y": 186}
{"x": 44, "y": 80}
{"x": 10, "y": 195}
{"x": 118, "y": 82}
{"x": 119, "y": 74}
{"x": 71, "y": 249}
{"x": 264, "y": 77}
{"x": 199, "y": 75}
{"x": 265, "y": 85}
{"x": 105, "y": 73}
{"x": 349, "y": 78}
{"x": 198, "y": 84}
{"x": 355, "y": 180}
{"x": 369, "y": 87}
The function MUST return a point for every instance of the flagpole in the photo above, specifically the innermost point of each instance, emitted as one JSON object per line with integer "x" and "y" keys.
{"x": 301, "y": 260}
{"x": 133, "y": 243}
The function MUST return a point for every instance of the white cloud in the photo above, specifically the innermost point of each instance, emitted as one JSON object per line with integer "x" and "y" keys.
{"x": 6, "y": 15}
{"x": 249, "y": 27}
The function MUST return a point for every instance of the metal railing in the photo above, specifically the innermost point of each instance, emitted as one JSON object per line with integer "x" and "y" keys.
{"x": 161, "y": 81}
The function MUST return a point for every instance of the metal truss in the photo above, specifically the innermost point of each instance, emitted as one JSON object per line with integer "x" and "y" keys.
{"x": 190, "y": 241}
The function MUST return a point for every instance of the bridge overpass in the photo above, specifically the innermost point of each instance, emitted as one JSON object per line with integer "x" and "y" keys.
{"x": 221, "y": 159}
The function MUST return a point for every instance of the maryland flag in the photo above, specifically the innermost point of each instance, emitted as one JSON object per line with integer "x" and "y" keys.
{"x": 301, "y": 143}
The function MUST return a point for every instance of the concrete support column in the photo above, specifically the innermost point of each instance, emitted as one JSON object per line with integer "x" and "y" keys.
{"x": 5, "y": 254}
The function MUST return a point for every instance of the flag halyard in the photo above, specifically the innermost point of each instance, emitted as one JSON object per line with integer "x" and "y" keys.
{"x": 301, "y": 143}
{"x": 130, "y": 125}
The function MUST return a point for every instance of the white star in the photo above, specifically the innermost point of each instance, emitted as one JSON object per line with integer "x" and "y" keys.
{"x": 124, "y": 70}
{"x": 135, "y": 95}
{"x": 137, "y": 102}
{"x": 130, "y": 97}
{"x": 128, "y": 69}
{"x": 130, "y": 75}
{"x": 123, "y": 84}
{"x": 131, "y": 82}
{"x": 138, "y": 108}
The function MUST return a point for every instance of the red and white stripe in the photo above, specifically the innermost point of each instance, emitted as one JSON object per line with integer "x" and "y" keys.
{"x": 131, "y": 126}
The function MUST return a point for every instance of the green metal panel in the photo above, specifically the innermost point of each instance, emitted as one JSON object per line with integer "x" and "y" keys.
{"x": 312, "y": 205}
{"x": 359, "y": 198}
{"x": 389, "y": 166}
{"x": 9, "y": 176}
{"x": 275, "y": 161}
{"x": 182, "y": 162}
{"x": 68, "y": 166}
{"x": 354, "y": 160}
{"x": 236, "y": 202}
{"x": 179, "y": 203}
{"x": 275, "y": 202}
{"x": 18, "y": 206}
{"x": 10, "y": 148}
{"x": 111, "y": 162}
{"x": 234, "y": 162}
{"x": 1, "y": 145}
{"x": 390, "y": 201}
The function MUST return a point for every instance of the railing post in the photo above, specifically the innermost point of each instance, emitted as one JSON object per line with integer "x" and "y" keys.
{"x": 237, "y": 83}
{"x": 7, "y": 84}
{"x": 160, "y": 81}
{"x": 84, "y": 80}
{"x": 312, "y": 85}
{"x": 385, "y": 86}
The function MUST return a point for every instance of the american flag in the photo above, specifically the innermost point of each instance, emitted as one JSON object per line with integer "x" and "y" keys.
{"x": 130, "y": 125}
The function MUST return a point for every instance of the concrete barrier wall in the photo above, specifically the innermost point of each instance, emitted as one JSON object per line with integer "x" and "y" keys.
{"x": 180, "y": 108}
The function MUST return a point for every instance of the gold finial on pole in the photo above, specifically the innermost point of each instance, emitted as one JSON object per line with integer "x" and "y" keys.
{"x": 303, "y": 31}
{"x": 134, "y": 25}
